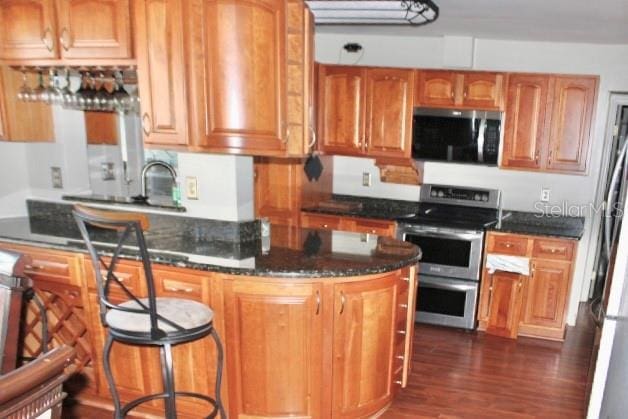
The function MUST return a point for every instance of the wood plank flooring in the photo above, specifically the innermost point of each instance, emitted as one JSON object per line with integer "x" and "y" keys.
{"x": 459, "y": 374}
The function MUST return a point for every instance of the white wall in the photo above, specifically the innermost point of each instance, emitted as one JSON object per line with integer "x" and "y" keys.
{"x": 521, "y": 189}
{"x": 14, "y": 182}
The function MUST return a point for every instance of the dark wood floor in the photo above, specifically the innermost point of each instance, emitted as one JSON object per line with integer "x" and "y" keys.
{"x": 458, "y": 374}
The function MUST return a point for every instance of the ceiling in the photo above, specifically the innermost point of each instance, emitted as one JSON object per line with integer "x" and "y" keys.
{"x": 597, "y": 21}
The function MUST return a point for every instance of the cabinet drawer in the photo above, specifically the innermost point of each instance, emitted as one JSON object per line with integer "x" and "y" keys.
{"x": 553, "y": 249}
{"x": 129, "y": 275}
{"x": 47, "y": 264}
{"x": 381, "y": 228}
{"x": 326, "y": 222}
{"x": 179, "y": 285}
{"x": 510, "y": 245}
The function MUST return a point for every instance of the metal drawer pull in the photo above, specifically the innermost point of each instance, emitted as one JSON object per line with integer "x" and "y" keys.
{"x": 176, "y": 289}
{"x": 325, "y": 226}
{"x": 508, "y": 245}
{"x": 318, "y": 302}
{"x": 343, "y": 300}
{"x": 398, "y": 382}
{"x": 34, "y": 267}
{"x": 401, "y": 332}
{"x": 403, "y": 305}
{"x": 400, "y": 357}
{"x": 405, "y": 278}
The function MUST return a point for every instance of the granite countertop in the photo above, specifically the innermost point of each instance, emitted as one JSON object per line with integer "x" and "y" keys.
{"x": 384, "y": 209}
{"x": 293, "y": 253}
{"x": 161, "y": 204}
{"x": 521, "y": 222}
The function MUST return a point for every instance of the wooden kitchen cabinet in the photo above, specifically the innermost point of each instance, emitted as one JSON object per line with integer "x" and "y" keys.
{"x": 548, "y": 122}
{"x": 47, "y": 30}
{"x": 536, "y": 305}
{"x": 29, "y": 30}
{"x": 353, "y": 224}
{"x": 159, "y": 29}
{"x": 389, "y": 99}
{"x": 570, "y": 130}
{"x": 363, "y": 341}
{"x": 460, "y": 90}
{"x": 90, "y": 29}
{"x": 101, "y": 128}
{"x": 504, "y": 303}
{"x": 526, "y": 127}
{"x": 341, "y": 105}
{"x": 275, "y": 349}
{"x": 16, "y": 117}
{"x": 365, "y": 111}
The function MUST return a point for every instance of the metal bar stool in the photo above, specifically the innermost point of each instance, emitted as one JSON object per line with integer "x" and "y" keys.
{"x": 158, "y": 321}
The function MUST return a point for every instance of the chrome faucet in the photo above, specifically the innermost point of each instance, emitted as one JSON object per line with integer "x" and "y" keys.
{"x": 152, "y": 164}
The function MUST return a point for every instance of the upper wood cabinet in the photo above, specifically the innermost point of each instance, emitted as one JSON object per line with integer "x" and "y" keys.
{"x": 101, "y": 127}
{"x": 365, "y": 111}
{"x": 28, "y": 29}
{"x": 161, "y": 71}
{"x": 341, "y": 107}
{"x": 572, "y": 110}
{"x": 275, "y": 349}
{"x": 16, "y": 117}
{"x": 363, "y": 341}
{"x": 94, "y": 29}
{"x": 389, "y": 112}
{"x": 65, "y": 29}
{"x": 548, "y": 122}
{"x": 460, "y": 90}
{"x": 526, "y": 121}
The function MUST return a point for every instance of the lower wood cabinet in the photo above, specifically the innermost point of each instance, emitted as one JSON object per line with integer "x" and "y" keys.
{"x": 514, "y": 305}
{"x": 353, "y": 224}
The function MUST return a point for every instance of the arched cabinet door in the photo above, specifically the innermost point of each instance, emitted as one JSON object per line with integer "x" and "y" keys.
{"x": 94, "y": 29}
{"x": 437, "y": 88}
{"x": 27, "y": 30}
{"x": 525, "y": 125}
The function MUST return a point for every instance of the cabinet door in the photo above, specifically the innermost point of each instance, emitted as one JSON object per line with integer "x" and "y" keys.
{"x": 546, "y": 295}
{"x": 274, "y": 341}
{"x": 3, "y": 115}
{"x": 363, "y": 341}
{"x": 341, "y": 109}
{"x": 244, "y": 43}
{"x": 483, "y": 90}
{"x": 504, "y": 304}
{"x": 572, "y": 109}
{"x": 526, "y": 121}
{"x": 94, "y": 28}
{"x": 277, "y": 188}
{"x": 389, "y": 112}
{"x": 161, "y": 71}
{"x": 27, "y": 29}
{"x": 437, "y": 88}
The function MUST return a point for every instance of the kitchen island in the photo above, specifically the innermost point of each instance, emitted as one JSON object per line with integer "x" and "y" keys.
{"x": 318, "y": 324}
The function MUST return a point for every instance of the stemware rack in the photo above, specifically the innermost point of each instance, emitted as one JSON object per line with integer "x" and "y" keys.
{"x": 100, "y": 88}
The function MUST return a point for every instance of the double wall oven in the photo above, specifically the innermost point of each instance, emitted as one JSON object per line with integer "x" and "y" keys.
{"x": 449, "y": 229}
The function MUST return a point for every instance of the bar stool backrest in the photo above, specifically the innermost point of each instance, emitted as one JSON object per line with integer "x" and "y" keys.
{"x": 127, "y": 226}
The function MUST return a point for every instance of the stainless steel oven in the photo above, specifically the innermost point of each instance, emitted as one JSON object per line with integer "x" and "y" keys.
{"x": 449, "y": 252}
{"x": 447, "y": 301}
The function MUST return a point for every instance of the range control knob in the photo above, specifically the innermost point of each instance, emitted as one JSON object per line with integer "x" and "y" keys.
{"x": 477, "y": 197}
{"x": 441, "y": 194}
{"x": 485, "y": 197}
{"x": 433, "y": 193}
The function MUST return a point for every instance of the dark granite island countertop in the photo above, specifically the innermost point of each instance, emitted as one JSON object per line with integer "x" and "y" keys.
{"x": 294, "y": 252}
{"x": 521, "y": 222}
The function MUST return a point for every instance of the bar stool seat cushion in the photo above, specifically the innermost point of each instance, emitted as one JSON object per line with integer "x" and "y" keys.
{"x": 188, "y": 314}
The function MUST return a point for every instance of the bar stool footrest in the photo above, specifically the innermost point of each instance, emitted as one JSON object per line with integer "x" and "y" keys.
{"x": 135, "y": 403}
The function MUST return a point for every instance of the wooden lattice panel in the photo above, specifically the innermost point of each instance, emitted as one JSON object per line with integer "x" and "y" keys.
{"x": 67, "y": 323}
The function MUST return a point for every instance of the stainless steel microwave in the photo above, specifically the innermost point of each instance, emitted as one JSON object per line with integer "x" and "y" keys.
{"x": 456, "y": 136}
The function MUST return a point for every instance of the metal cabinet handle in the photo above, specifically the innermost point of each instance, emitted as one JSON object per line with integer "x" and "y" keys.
{"x": 146, "y": 124}
{"x": 405, "y": 278}
{"x": 398, "y": 382}
{"x": 403, "y": 306}
{"x": 343, "y": 300}
{"x": 287, "y": 137}
{"x": 401, "y": 332}
{"x": 325, "y": 226}
{"x": 318, "y": 302}
{"x": 313, "y": 134}
{"x": 508, "y": 245}
{"x": 453, "y": 94}
{"x": 63, "y": 39}
{"x": 465, "y": 93}
{"x": 551, "y": 155}
{"x": 400, "y": 357}
{"x": 176, "y": 289}
{"x": 537, "y": 157}
{"x": 47, "y": 39}
{"x": 34, "y": 267}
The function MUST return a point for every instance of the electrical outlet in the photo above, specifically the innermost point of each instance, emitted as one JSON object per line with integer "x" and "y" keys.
{"x": 107, "y": 171}
{"x": 191, "y": 187}
{"x": 55, "y": 176}
{"x": 545, "y": 195}
{"x": 366, "y": 179}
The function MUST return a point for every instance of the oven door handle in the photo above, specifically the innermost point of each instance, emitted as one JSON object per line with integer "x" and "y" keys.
{"x": 444, "y": 234}
{"x": 447, "y": 285}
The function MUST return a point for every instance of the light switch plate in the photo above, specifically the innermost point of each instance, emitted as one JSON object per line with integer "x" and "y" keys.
{"x": 56, "y": 177}
{"x": 545, "y": 194}
{"x": 107, "y": 171}
{"x": 191, "y": 187}
{"x": 366, "y": 179}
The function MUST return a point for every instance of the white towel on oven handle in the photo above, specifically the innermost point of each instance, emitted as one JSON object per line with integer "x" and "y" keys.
{"x": 507, "y": 263}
